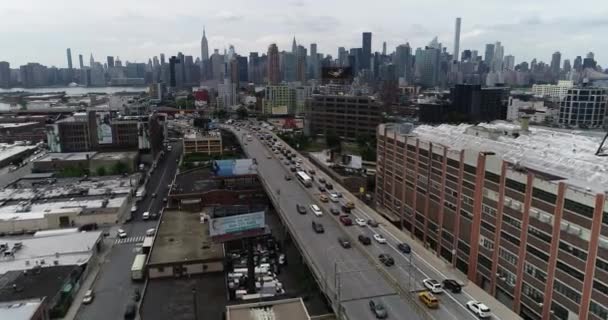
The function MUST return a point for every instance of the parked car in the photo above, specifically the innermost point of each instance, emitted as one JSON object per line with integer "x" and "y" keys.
{"x": 378, "y": 309}
{"x": 372, "y": 223}
{"x": 365, "y": 240}
{"x": 301, "y": 209}
{"x": 479, "y": 309}
{"x": 334, "y": 211}
{"x": 452, "y": 285}
{"x": 136, "y": 295}
{"x": 433, "y": 285}
{"x": 404, "y": 247}
{"x": 379, "y": 238}
{"x": 346, "y": 220}
{"x": 318, "y": 227}
{"x": 386, "y": 259}
{"x": 344, "y": 242}
{"x": 88, "y": 297}
{"x": 429, "y": 299}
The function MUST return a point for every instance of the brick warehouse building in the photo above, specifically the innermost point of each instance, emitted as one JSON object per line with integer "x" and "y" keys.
{"x": 483, "y": 196}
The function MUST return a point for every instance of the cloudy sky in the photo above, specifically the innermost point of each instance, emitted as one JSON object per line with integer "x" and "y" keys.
{"x": 41, "y": 30}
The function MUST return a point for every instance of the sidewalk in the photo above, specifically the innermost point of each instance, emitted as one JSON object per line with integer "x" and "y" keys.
{"x": 89, "y": 282}
{"x": 498, "y": 309}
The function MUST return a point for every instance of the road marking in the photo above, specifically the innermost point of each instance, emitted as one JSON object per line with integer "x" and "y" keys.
{"x": 129, "y": 240}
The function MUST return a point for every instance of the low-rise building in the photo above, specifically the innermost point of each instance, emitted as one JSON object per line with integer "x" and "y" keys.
{"x": 14, "y": 153}
{"x": 209, "y": 143}
{"x": 28, "y": 309}
{"x": 293, "y": 309}
{"x": 22, "y": 131}
{"x": 52, "y": 162}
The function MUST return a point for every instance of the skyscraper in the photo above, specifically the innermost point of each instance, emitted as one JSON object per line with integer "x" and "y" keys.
{"x": 403, "y": 62}
{"x": 556, "y": 60}
{"x": 567, "y": 66}
{"x": 274, "y": 76}
{"x": 489, "y": 55}
{"x": 162, "y": 59}
{"x": 91, "y": 61}
{"x": 384, "y": 48}
{"x": 499, "y": 52}
{"x": 294, "y": 46}
{"x": 342, "y": 56}
{"x": 204, "y": 47}
{"x": 457, "y": 40}
{"x": 509, "y": 63}
{"x": 5, "y": 74}
{"x": 301, "y": 64}
{"x": 110, "y": 62}
{"x": 578, "y": 63}
{"x": 366, "y": 53}
{"x": 314, "y": 62}
{"x": 69, "y": 53}
{"x": 81, "y": 63}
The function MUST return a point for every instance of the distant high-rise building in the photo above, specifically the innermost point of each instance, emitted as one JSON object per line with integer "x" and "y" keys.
{"x": 591, "y": 55}
{"x": 342, "y": 57}
{"x": 301, "y": 64}
{"x": 556, "y": 60}
{"x": 172, "y": 67}
{"x": 315, "y": 71}
{"x": 384, "y": 48}
{"x": 427, "y": 66}
{"x": 466, "y": 55}
{"x": 110, "y": 62}
{"x": 204, "y": 47}
{"x": 255, "y": 74}
{"x": 5, "y": 74}
{"x": 474, "y": 55}
{"x": 80, "y": 60}
{"x": 366, "y": 53}
{"x": 497, "y": 60}
{"x": 69, "y": 53}
{"x": 243, "y": 69}
{"x": 162, "y": 59}
{"x": 91, "y": 61}
{"x": 578, "y": 63}
{"x": 274, "y": 76}
{"x": 294, "y": 46}
{"x": 456, "y": 40}
{"x": 217, "y": 66}
{"x": 117, "y": 62}
{"x": 567, "y": 66}
{"x": 403, "y": 62}
{"x": 509, "y": 63}
{"x": 489, "y": 55}
{"x": 289, "y": 65}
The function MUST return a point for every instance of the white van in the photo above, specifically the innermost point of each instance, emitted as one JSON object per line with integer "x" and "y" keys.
{"x": 150, "y": 232}
{"x": 146, "y": 215}
{"x": 316, "y": 210}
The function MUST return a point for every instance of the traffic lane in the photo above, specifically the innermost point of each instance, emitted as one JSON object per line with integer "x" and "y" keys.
{"x": 113, "y": 288}
{"x": 395, "y": 308}
{"x": 352, "y": 284}
{"x": 319, "y": 245}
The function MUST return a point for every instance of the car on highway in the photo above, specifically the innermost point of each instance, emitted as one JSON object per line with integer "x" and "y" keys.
{"x": 333, "y": 197}
{"x": 378, "y": 309}
{"x": 146, "y": 215}
{"x": 318, "y": 227}
{"x": 287, "y": 177}
{"x": 322, "y": 188}
{"x": 301, "y": 209}
{"x": 133, "y": 209}
{"x": 122, "y": 233}
{"x": 88, "y": 297}
{"x": 130, "y": 311}
{"x": 329, "y": 186}
{"x": 433, "y": 285}
{"x": 346, "y": 220}
{"x": 299, "y": 160}
{"x": 321, "y": 180}
{"x": 452, "y": 285}
{"x": 154, "y": 195}
{"x": 344, "y": 242}
{"x": 365, "y": 240}
{"x": 372, "y": 223}
{"x": 323, "y": 198}
{"x": 386, "y": 259}
{"x": 479, "y": 309}
{"x": 429, "y": 300}
{"x": 316, "y": 210}
{"x": 334, "y": 211}
{"x": 404, "y": 247}
{"x": 379, "y": 238}
{"x": 312, "y": 171}
{"x": 293, "y": 169}
{"x": 360, "y": 222}
{"x": 165, "y": 199}
{"x": 350, "y": 204}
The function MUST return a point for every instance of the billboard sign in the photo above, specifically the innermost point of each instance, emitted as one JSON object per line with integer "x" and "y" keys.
{"x": 337, "y": 74}
{"x": 234, "y": 224}
{"x": 104, "y": 127}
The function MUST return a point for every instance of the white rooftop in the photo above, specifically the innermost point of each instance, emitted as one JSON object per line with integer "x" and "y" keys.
{"x": 564, "y": 154}
{"x": 67, "y": 156}
{"x": 19, "y": 310}
{"x": 38, "y": 210}
{"x": 66, "y": 249}
{"x": 16, "y": 124}
{"x": 9, "y": 150}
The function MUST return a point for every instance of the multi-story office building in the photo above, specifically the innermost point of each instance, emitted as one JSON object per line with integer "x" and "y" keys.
{"x": 346, "y": 116}
{"x": 274, "y": 75}
{"x": 474, "y": 103}
{"x": 279, "y": 100}
{"x": 5, "y": 74}
{"x": 555, "y": 92}
{"x": 210, "y": 143}
{"x": 584, "y": 107}
{"x": 522, "y": 214}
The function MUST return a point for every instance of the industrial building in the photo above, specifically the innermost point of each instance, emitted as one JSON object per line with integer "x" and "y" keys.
{"x": 345, "y": 116}
{"x": 43, "y": 202}
{"x": 209, "y": 143}
{"x": 521, "y": 212}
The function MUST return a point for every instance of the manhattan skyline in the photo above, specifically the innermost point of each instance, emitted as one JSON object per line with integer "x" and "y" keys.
{"x": 39, "y": 32}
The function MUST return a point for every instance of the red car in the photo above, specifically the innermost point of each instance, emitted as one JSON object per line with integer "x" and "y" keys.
{"x": 346, "y": 220}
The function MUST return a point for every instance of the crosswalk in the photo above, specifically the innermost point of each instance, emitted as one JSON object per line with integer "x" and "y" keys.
{"x": 129, "y": 240}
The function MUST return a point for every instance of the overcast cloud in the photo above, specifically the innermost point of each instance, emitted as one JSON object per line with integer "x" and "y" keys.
{"x": 134, "y": 30}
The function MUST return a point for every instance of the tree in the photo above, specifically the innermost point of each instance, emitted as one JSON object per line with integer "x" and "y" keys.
{"x": 120, "y": 168}
{"x": 333, "y": 141}
{"x": 101, "y": 171}
{"x": 242, "y": 112}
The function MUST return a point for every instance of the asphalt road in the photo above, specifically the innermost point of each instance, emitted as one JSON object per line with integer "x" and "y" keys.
{"x": 347, "y": 275}
{"x": 409, "y": 269}
{"x": 113, "y": 287}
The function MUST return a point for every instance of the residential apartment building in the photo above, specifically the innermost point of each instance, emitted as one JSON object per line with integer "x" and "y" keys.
{"x": 346, "y": 116}
{"x": 523, "y": 214}
{"x": 209, "y": 143}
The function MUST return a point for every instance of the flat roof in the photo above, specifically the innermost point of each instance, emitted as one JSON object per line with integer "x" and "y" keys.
{"x": 212, "y": 135}
{"x": 181, "y": 236}
{"x": 292, "y": 309}
{"x": 10, "y": 150}
{"x": 20, "y": 309}
{"x": 16, "y": 124}
{"x": 66, "y": 249}
{"x": 569, "y": 155}
{"x": 115, "y": 155}
{"x": 66, "y": 156}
